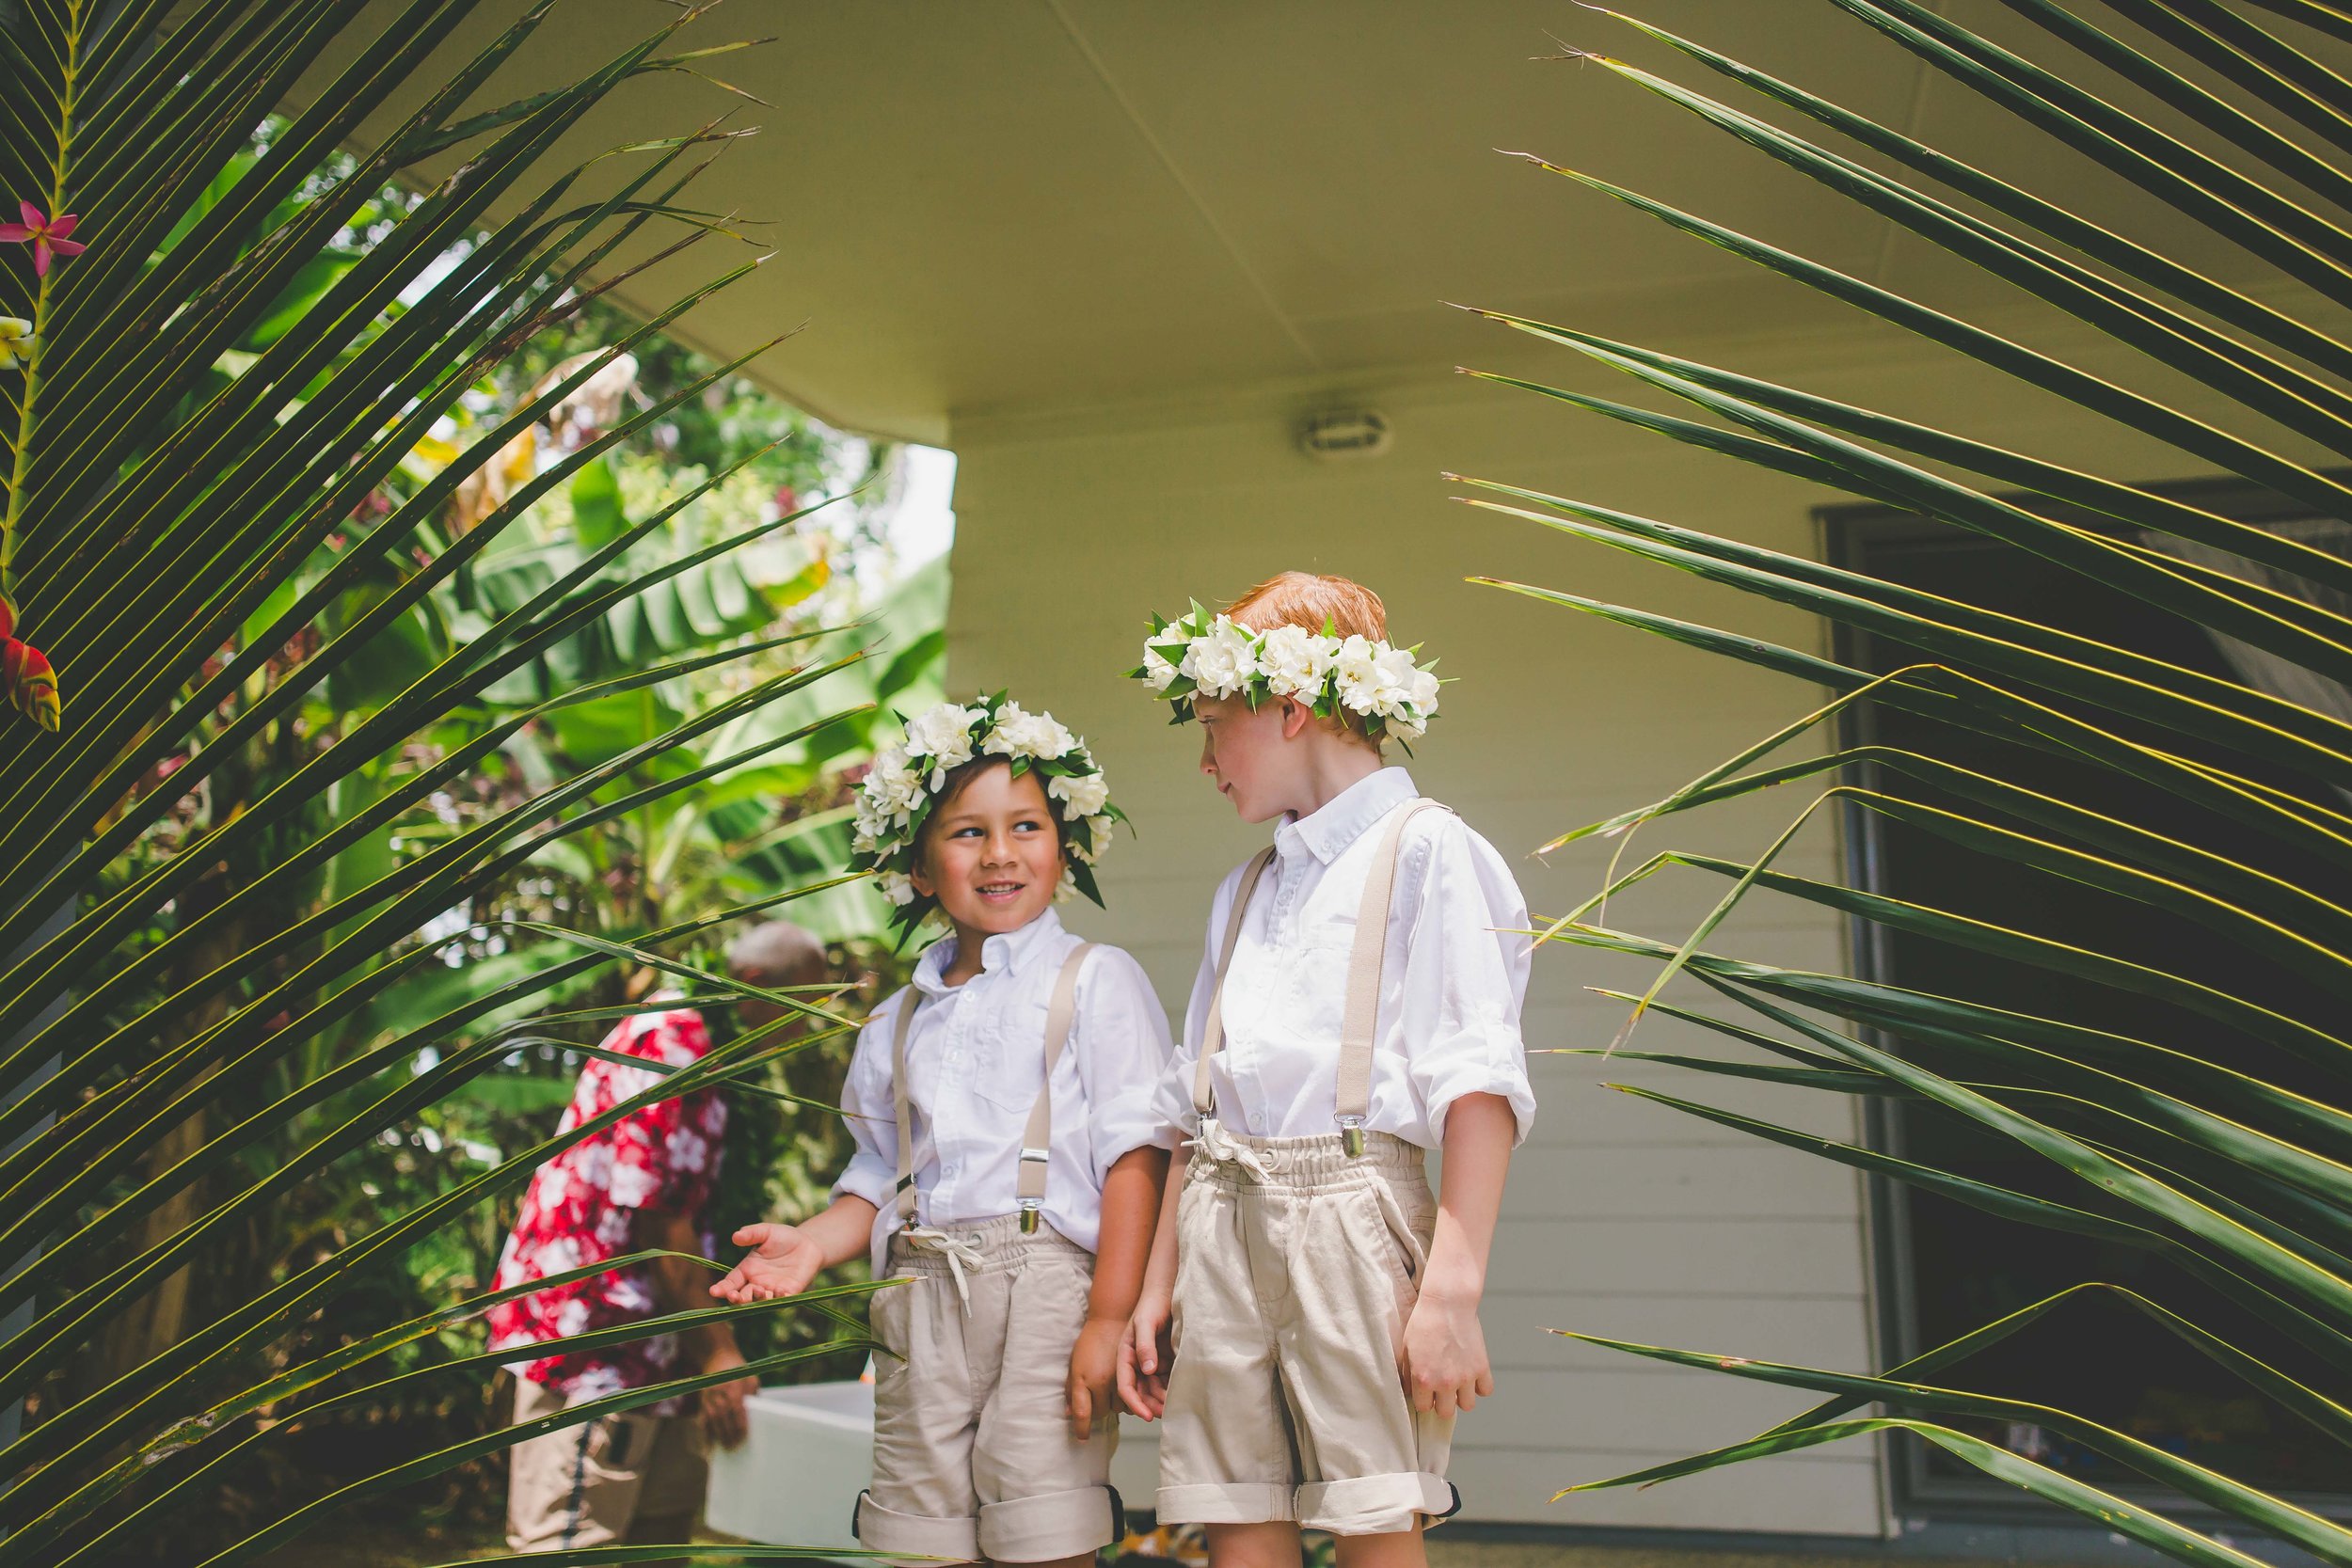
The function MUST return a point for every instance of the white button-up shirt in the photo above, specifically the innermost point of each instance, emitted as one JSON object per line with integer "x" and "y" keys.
{"x": 976, "y": 1057}
{"x": 1451, "y": 990}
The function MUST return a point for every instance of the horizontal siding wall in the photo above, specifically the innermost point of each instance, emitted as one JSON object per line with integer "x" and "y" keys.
{"x": 1624, "y": 1217}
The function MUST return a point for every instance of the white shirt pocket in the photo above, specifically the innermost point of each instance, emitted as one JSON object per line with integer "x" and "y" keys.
{"x": 1010, "y": 1075}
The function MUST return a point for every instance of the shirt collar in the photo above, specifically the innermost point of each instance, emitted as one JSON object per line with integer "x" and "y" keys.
{"x": 1007, "y": 950}
{"x": 1345, "y": 817}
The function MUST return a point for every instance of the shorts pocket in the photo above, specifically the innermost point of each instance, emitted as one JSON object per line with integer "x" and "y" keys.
{"x": 886, "y": 1317}
{"x": 1408, "y": 1230}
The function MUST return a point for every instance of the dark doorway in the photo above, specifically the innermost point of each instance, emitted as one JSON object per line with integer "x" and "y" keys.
{"x": 1946, "y": 1268}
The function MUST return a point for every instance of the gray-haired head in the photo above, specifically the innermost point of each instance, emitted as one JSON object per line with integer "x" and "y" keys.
{"x": 777, "y": 953}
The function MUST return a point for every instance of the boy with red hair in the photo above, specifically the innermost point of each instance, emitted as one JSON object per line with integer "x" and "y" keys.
{"x": 1309, "y": 1325}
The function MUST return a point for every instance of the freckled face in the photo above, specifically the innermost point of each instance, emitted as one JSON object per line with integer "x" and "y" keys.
{"x": 993, "y": 856}
{"x": 1242, "y": 753}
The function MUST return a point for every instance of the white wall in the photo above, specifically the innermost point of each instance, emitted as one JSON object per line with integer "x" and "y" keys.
{"x": 1623, "y": 1217}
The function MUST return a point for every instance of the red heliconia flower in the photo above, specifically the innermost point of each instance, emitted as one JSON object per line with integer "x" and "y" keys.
{"x": 30, "y": 683}
{"x": 7, "y": 617}
{"x": 47, "y": 235}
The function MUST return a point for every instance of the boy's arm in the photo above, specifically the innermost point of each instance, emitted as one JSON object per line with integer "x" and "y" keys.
{"x": 1160, "y": 1274}
{"x": 1444, "y": 1363}
{"x": 1144, "y": 1354}
{"x": 1123, "y": 1252}
{"x": 784, "y": 1258}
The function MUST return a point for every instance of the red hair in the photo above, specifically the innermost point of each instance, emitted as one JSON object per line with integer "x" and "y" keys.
{"x": 1318, "y": 602}
{"x": 1343, "y": 606}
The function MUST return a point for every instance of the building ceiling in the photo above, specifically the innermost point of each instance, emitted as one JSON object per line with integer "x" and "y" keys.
{"x": 995, "y": 205}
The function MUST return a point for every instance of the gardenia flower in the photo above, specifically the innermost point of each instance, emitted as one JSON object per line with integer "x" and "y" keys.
{"x": 893, "y": 785}
{"x": 1083, "y": 793}
{"x": 1221, "y": 662}
{"x": 1019, "y": 734}
{"x": 1392, "y": 676}
{"x": 1295, "y": 662}
{"x": 1357, "y": 665}
{"x": 898, "y": 887}
{"x": 942, "y": 736}
{"x": 1156, "y": 670}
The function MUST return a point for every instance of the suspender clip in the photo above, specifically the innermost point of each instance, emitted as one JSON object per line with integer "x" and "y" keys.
{"x": 1028, "y": 1215}
{"x": 1352, "y": 1135}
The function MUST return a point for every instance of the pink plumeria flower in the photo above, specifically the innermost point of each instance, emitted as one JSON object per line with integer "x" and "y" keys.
{"x": 48, "y": 235}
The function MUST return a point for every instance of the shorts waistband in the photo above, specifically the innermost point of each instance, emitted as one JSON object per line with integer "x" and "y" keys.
{"x": 1301, "y": 1164}
{"x": 981, "y": 1247}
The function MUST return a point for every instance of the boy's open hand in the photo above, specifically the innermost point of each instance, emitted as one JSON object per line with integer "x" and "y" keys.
{"x": 1145, "y": 1356}
{"x": 780, "y": 1262}
{"x": 1444, "y": 1359}
{"x": 1093, "y": 1363}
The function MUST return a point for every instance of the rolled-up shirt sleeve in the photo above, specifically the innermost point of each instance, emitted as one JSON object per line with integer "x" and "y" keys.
{"x": 1466, "y": 978}
{"x": 869, "y": 1100}
{"x": 1173, "y": 1115}
{"x": 1122, "y": 1050}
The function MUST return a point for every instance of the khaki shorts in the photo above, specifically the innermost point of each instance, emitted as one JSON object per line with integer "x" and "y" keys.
{"x": 1292, "y": 1291}
{"x": 588, "y": 1486}
{"x": 973, "y": 1453}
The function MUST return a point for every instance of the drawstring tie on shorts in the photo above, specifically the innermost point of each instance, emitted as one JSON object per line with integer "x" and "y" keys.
{"x": 961, "y": 1249}
{"x": 1219, "y": 1145}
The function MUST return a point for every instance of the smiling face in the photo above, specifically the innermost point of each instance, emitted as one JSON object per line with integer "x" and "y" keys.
{"x": 990, "y": 853}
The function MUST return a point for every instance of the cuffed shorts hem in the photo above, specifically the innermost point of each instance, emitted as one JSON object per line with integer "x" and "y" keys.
{"x": 1226, "y": 1503}
{"x": 1040, "y": 1529}
{"x": 882, "y": 1530}
{"x": 1375, "y": 1505}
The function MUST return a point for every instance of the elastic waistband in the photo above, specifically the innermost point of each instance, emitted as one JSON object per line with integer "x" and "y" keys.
{"x": 988, "y": 1245}
{"x": 1301, "y": 1164}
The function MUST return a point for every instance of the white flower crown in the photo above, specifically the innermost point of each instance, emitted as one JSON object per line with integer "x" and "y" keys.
{"x": 905, "y": 780}
{"x": 1202, "y": 654}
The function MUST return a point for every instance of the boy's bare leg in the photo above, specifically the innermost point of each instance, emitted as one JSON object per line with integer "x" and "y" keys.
{"x": 1272, "y": 1544}
{"x": 1085, "y": 1559}
{"x": 1399, "y": 1548}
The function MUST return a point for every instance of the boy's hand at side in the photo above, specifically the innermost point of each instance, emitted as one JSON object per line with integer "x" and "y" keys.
{"x": 1093, "y": 1364}
{"x": 1145, "y": 1355}
{"x": 1444, "y": 1359}
{"x": 782, "y": 1260}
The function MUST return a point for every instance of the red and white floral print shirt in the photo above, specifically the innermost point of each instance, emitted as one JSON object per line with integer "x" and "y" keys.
{"x": 583, "y": 1204}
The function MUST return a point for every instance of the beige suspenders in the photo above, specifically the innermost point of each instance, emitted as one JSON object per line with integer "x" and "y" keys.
{"x": 1212, "y": 1028}
{"x": 1037, "y": 1139}
{"x": 1364, "y": 961}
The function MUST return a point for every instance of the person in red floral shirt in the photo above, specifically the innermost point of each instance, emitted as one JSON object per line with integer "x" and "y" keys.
{"x": 646, "y": 1181}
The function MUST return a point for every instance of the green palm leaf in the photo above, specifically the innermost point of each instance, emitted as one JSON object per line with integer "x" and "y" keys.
{"x": 2149, "y": 1137}
{"x": 189, "y": 1000}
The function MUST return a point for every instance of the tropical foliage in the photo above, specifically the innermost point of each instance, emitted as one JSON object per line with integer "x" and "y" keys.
{"x": 381, "y": 728}
{"x": 2213, "y": 1136}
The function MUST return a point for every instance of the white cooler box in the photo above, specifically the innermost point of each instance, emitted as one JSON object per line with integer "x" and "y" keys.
{"x": 810, "y": 1452}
